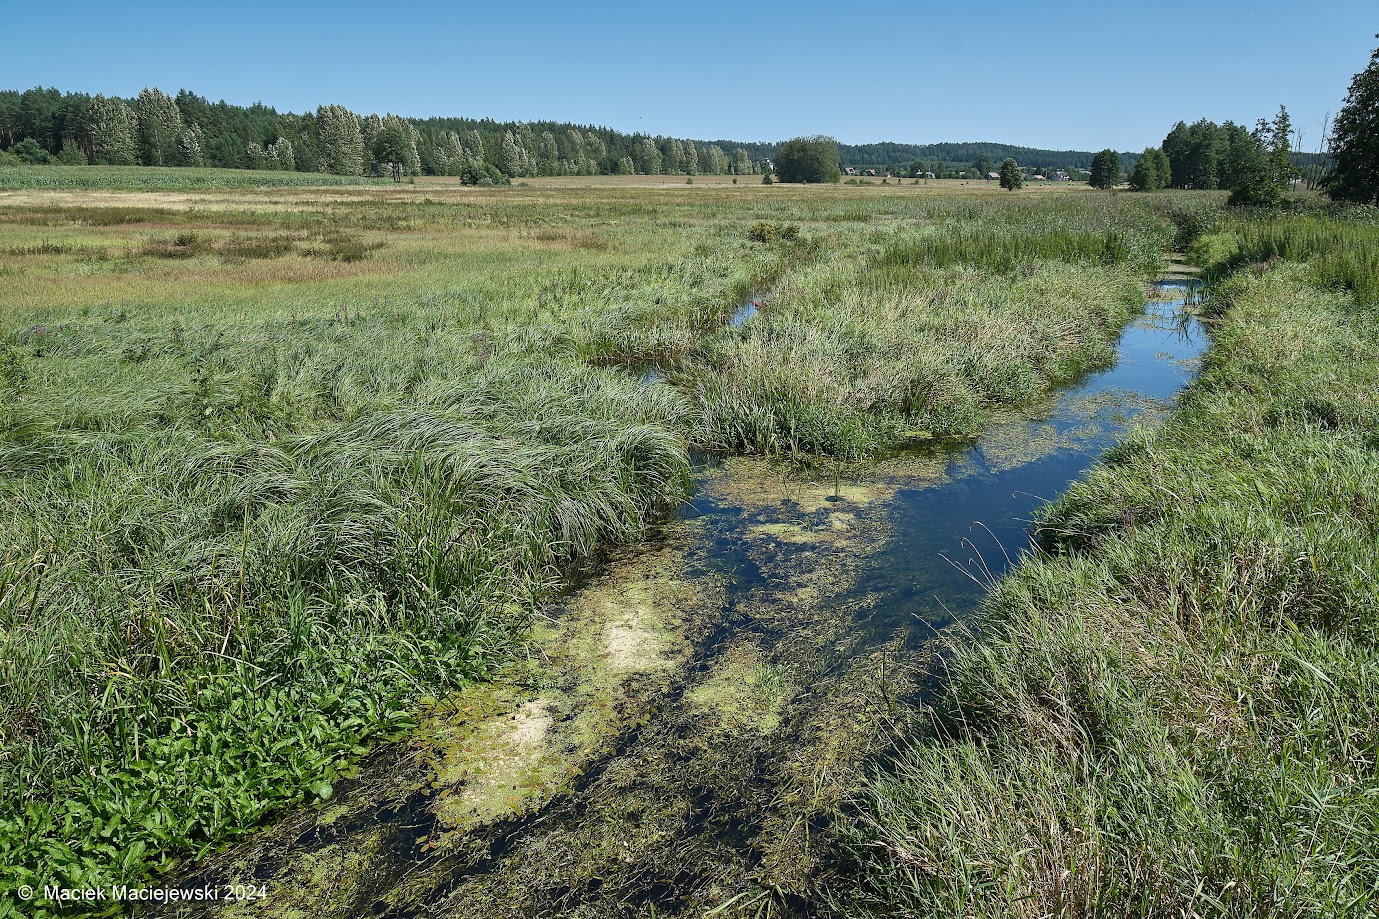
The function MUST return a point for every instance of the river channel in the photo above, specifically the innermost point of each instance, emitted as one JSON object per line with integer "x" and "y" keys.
{"x": 682, "y": 726}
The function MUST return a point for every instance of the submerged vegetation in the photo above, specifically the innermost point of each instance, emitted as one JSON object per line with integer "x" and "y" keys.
{"x": 1172, "y": 710}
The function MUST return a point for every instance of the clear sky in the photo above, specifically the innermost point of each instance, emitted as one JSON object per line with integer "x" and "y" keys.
{"x": 1066, "y": 76}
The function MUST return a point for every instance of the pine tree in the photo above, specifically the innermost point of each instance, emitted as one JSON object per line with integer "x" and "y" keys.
{"x": 691, "y": 158}
{"x": 114, "y": 131}
{"x": 742, "y": 163}
{"x": 1355, "y": 140}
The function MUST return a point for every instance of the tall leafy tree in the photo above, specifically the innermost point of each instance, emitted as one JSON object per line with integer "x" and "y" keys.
{"x": 160, "y": 127}
{"x": 1264, "y": 177}
{"x": 512, "y": 158}
{"x": 395, "y": 141}
{"x": 1355, "y": 140}
{"x": 1151, "y": 171}
{"x": 808, "y": 159}
{"x": 648, "y": 157}
{"x": 1011, "y": 176}
{"x": 691, "y": 158}
{"x": 190, "y": 146}
{"x": 114, "y": 132}
{"x": 1105, "y": 170}
{"x": 341, "y": 140}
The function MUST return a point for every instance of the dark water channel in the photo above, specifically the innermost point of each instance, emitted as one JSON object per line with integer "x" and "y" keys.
{"x": 789, "y": 592}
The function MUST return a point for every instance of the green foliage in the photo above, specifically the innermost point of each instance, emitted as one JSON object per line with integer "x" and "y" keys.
{"x": 1011, "y": 176}
{"x": 1267, "y": 171}
{"x": 768, "y": 179}
{"x": 1340, "y": 252}
{"x": 30, "y": 153}
{"x": 1152, "y": 171}
{"x": 160, "y": 127}
{"x": 1171, "y": 708}
{"x": 1105, "y": 170}
{"x": 113, "y": 133}
{"x": 808, "y": 159}
{"x": 1355, "y": 140}
{"x": 765, "y": 232}
{"x": 131, "y": 178}
{"x": 341, "y": 142}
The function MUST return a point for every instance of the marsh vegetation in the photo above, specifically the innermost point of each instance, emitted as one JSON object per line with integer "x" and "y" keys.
{"x": 289, "y": 475}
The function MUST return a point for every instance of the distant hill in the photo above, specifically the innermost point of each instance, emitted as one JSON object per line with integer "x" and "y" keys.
{"x": 965, "y": 154}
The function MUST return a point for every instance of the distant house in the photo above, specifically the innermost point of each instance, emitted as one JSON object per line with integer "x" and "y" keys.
{"x": 1038, "y": 178}
{"x": 993, "y": 175}
{"x": 849, "y": 170}
{"x": 870, "y": 172}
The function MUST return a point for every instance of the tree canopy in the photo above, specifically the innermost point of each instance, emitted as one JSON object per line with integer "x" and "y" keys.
{"x": 808, "y": 159}
{"x": 1355, "y": 140}
{"x": 1105, "y": 170}
{"x": 1011, "y": 176}
{"x": 1152, "y": 171}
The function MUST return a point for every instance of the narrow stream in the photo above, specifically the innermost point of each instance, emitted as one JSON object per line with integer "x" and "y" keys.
{"x": 707, "y": 700}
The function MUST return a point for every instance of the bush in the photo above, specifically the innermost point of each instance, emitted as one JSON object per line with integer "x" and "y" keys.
{"x": 765, "y": 232}
{"x": 808, "y": 159}
{"x": 30, "y": 152}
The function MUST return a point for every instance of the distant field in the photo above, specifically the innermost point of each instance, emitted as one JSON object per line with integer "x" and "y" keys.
{"x": 154, "y": 177}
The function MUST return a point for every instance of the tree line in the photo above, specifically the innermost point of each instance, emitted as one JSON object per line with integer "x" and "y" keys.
{"x": 155, "y": 129}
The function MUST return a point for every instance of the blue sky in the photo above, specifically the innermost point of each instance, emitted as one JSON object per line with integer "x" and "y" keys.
{"x": 1098, "y": 75}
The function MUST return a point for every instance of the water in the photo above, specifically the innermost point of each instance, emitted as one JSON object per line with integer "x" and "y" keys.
{"x": 776, "y": 607}
{"x": 952, "y": 538}
{"x": 747, "y": 309}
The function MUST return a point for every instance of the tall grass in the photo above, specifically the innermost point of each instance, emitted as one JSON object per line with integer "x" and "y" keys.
{"x": 1340, "y": 252}
{"x": 928, "y": 328}
{"x": 1173, "y": 710}
{"x": 258, "y": 495}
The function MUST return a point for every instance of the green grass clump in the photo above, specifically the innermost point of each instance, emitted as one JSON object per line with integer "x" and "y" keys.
{"x": 1173, "y": 710}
